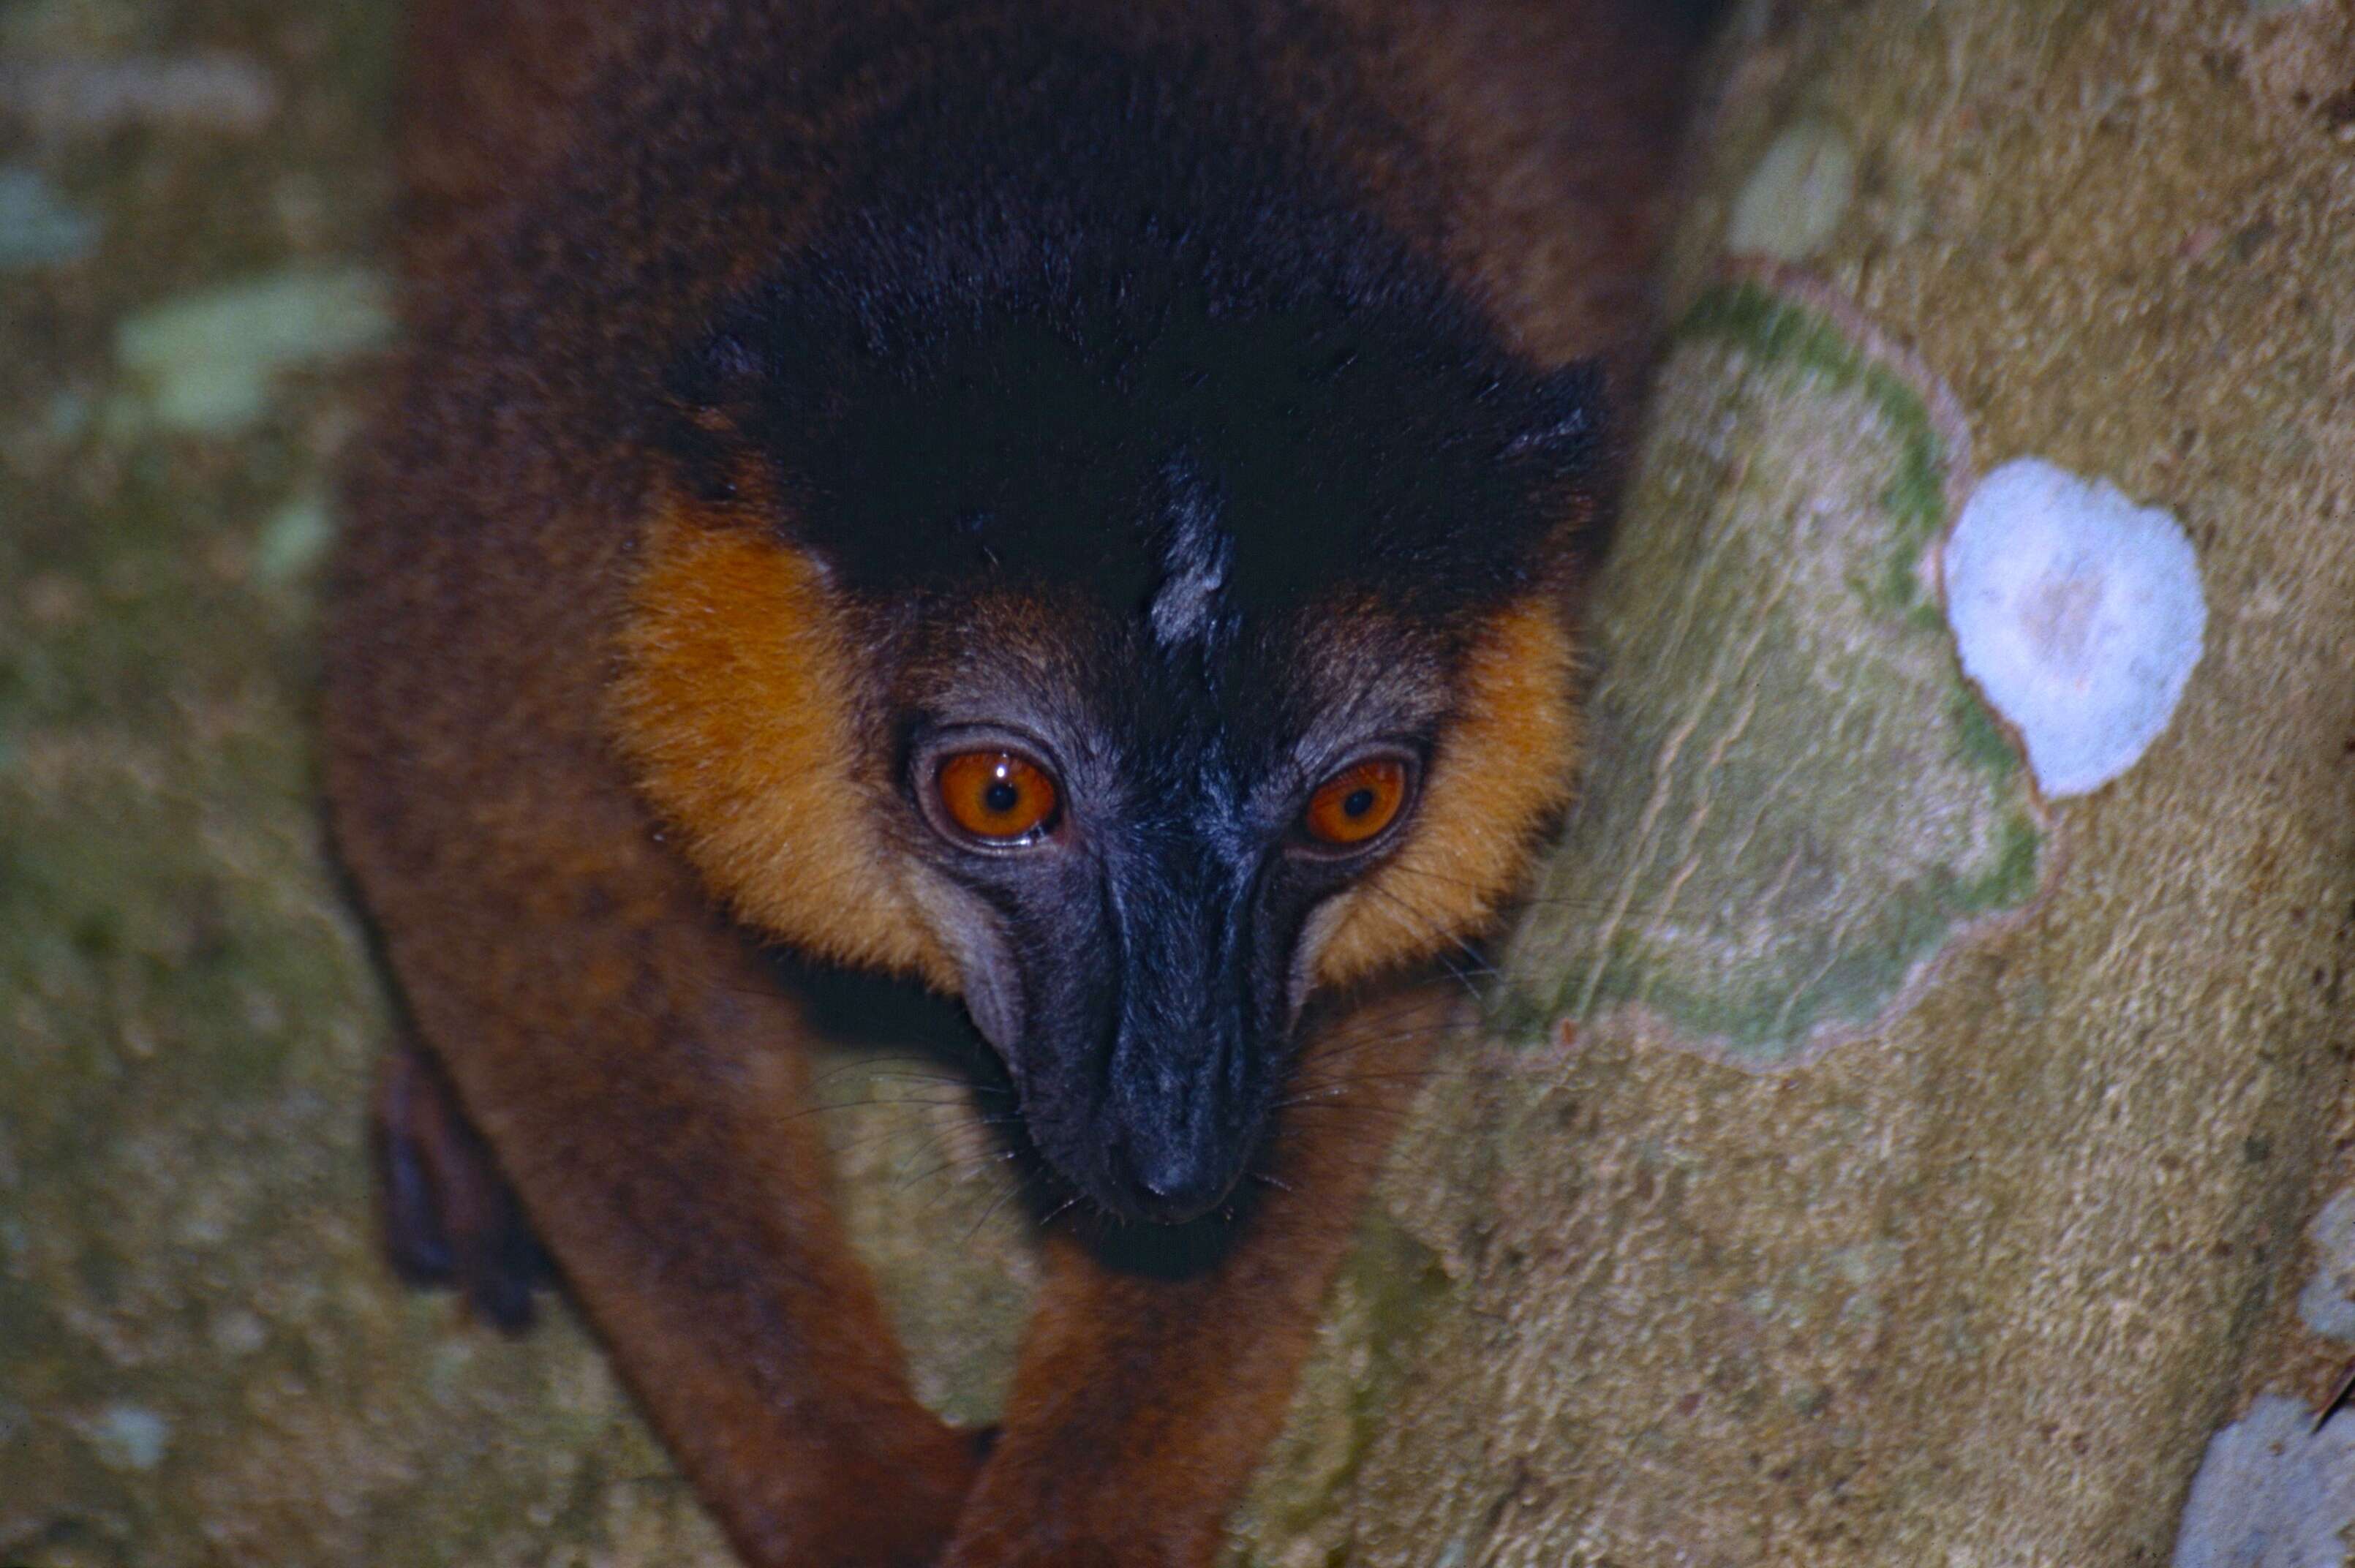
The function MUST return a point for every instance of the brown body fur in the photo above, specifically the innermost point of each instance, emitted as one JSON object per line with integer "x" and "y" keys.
{"x": 611, "y": 1031}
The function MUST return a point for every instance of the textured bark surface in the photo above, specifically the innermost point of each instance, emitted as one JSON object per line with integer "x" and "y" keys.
{"x": 1928, "y": 1171}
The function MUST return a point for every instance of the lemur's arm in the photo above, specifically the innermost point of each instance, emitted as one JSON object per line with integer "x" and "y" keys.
{"x": 1142, "y": 1404}
{"x": 636, "y": 1073}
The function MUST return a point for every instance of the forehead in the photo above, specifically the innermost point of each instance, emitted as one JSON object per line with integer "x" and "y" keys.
{"x": 1251, "y": 702}
{"x": 1126, "y": 438}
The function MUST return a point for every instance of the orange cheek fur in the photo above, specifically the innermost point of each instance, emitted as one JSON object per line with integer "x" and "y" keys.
{"x": 1502, "y": 769}
{"x": 736, "y": 708}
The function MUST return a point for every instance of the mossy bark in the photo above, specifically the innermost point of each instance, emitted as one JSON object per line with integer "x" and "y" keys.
{"x": 203, "y": 1359}
{"x": 1923, "y": 1173}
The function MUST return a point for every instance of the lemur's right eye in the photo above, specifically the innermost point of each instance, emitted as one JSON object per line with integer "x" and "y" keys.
{"x": 998, "y": 796}
{"x": 1354, "y": 806}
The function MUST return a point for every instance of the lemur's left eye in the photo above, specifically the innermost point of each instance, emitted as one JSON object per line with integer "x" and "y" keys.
{"x": 996, "y": 795}
{"x": 1355, "y": 803}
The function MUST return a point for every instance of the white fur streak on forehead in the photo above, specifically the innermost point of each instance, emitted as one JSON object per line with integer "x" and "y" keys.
{"x": 1195, "y": 554}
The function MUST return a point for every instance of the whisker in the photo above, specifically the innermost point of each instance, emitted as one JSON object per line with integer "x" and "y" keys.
{"x": 913, "y": 1131}
{"x": 1389, "y": 1076}
{"x": 1432, "y": 928}
{"x": 873, "y": 1101}
{"x": 1351, "y": 1106}
{"x": 994, "y": 1205}
{"x": 1526, "y": 901}
{"x": 1330, "y": 1051}
{"x": 962, "y": 1164}
{"x": 876, "y": 1066}
{"x": 882, "y": 1135}
{"x": 1393, "y": 1152}
{"x": 978, "y": 1086}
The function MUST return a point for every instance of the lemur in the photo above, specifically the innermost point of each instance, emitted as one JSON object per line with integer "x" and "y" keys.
{"x": 1077, "y": 506}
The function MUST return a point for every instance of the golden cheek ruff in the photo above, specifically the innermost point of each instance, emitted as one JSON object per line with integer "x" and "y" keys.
{"x": 1502, "y": 767}
{"x": 737, "y": 709}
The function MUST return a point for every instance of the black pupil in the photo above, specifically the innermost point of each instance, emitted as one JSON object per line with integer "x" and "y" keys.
{"x": 1000, "y": 797}
{"x": 1359, "y": 802}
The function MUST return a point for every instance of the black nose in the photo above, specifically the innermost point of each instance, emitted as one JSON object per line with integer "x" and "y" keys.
{"x": 1168, "y": 1181}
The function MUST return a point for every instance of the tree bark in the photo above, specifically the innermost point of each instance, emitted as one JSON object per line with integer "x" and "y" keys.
{"x": 1871, "y": 1159}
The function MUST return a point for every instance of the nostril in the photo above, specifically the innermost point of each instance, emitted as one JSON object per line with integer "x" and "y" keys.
{"x": 1168, "y": 1187}
{"x": 1170, "y": 1183}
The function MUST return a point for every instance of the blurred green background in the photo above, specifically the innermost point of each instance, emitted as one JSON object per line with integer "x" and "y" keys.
{"x": 201, "y": 1358}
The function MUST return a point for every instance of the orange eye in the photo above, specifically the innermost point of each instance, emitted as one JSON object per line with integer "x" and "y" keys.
{"x": 1357, "y": 803}
{"x": 997, "y": 795}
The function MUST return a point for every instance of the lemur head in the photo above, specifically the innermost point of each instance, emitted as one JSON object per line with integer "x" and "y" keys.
{"x": 1133, "y": 634}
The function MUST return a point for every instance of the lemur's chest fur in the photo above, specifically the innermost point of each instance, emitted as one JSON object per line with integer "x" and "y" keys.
{"x": 1077, "y": 506}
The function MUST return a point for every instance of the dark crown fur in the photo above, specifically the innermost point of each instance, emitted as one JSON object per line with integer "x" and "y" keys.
{"x": 1047, "y": 331}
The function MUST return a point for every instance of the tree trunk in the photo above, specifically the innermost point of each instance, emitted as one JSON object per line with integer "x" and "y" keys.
{"x": 1889, "y": 1147}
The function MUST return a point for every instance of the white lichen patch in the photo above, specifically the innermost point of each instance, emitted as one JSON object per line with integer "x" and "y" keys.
{"x": 2271, "y": 1493}
{"x": 204, "y": 363}
{"x": 212, "y": 91}
{"x": 1794, "y": 200}
{"x": 37, "y": 228}
{"x": 130, "y": 1437}
{"x": 2326, "y": 1304}
{"x": 294, "y": 538}
{"x": 2079, "y": 614}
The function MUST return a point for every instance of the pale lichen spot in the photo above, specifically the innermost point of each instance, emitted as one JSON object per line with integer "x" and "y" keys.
{"x": 2326, "y": 1304}
{"x": 2078, "y": 612}
{"x": 130, "y": 1437}
{"x": 294, "y": 539}
{"x": 37, "y": 227}
{"x": 85, "y": 96}
{"x": 204, "y": 363}
{"x": 2271, "y": 1492}
{"x": 1794, "y": 199}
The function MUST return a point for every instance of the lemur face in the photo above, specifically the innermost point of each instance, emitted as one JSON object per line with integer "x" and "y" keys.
{"x": 1138, "y": 845}
{"x": 1131, "y": 660}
